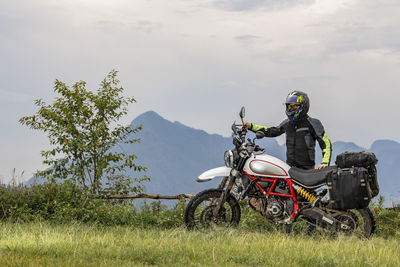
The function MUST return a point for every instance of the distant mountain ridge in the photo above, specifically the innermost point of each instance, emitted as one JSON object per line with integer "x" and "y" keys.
{"x": 175, "y": 154}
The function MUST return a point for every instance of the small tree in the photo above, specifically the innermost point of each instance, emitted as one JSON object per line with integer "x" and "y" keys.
{"x": 83, "y": 130}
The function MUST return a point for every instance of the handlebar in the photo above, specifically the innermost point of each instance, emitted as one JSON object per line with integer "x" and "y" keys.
{"x": 240, "y": 138}
{"x": 258, "y": 148}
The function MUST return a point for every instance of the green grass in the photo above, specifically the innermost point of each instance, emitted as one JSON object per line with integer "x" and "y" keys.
{"x": 44, "y": 244}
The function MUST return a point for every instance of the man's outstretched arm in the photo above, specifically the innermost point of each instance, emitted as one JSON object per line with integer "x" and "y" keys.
{"x": 268, "y": 131}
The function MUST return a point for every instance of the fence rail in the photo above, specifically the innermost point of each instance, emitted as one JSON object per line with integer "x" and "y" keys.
{"x": 152, "y": 196}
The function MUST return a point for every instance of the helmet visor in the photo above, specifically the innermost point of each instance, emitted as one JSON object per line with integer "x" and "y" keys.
{"x": 292, "y": 106}
{"x": 293, "y": 99}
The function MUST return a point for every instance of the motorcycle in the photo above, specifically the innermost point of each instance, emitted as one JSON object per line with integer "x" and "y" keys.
{"x": 281, "y": 194}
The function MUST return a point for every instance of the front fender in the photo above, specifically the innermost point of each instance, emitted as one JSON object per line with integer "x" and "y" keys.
{"x": 211, "y": 174}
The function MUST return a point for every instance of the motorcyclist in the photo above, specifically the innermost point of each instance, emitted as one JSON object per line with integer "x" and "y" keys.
{"x": 301, "y": 133}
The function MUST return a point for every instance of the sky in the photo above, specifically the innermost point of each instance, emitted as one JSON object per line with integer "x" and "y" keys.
{"x": 199, "y": 61}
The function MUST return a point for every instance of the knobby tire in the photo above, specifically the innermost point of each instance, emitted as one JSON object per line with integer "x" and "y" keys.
{"x": 205, "y": 196}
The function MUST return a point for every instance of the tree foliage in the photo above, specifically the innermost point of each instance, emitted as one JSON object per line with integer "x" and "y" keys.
{"x": 84, "y": 133}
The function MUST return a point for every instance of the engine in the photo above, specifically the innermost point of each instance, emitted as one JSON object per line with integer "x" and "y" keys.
{"x": 275, "y": 209}
{"x": 278, "y": 209}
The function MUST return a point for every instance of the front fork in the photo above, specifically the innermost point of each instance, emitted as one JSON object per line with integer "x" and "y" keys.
{"x": 225, "y": 193}
{"x": 223, "y": 182}
{"x": 231, "y": 181}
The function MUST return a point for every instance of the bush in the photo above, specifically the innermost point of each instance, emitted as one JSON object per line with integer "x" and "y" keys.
{"x": 60, "y": 202}
{"x": 388, "y": 222}
{"x": 66, "y": 203}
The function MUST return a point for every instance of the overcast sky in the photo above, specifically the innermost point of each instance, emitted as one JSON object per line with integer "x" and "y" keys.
{"x": 199, "y": 61}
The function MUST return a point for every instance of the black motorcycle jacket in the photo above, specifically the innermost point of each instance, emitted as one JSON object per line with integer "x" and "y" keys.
{"x": 301, "y": 135}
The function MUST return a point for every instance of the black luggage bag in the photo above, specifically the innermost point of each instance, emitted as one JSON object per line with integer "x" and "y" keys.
{"x": 364, "y": 159}
{"x": 356, "y": 159}
{"x": 349, "y": 188}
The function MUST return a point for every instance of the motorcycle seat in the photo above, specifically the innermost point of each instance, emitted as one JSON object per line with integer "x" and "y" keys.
{"x": 310, "y": 178}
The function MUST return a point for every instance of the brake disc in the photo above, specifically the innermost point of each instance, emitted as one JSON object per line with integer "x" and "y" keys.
{"x": 206, "y": 217}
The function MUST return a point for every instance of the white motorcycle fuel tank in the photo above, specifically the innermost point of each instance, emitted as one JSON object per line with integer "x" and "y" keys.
{"x": 266, "y": 166}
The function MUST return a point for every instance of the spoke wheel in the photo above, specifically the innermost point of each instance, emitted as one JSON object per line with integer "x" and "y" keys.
{"x": 199, "y": 212}
{"x": 366, "y": 222}
{"x": 359, "y": 222}
{"x": 349, "y": 223}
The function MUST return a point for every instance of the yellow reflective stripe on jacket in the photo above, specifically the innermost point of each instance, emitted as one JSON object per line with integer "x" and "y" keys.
{"x": 255, "y": 127}
{"x": 327, "y": 151}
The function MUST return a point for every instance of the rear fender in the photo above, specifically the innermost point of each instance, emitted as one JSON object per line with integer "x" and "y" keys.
{"x": 211, "y": 174}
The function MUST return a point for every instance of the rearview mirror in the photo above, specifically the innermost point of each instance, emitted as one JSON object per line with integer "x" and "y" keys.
{"x": 242, "y": 113}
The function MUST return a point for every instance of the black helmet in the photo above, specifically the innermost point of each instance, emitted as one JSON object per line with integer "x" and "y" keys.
{"x": 297, "y": 105}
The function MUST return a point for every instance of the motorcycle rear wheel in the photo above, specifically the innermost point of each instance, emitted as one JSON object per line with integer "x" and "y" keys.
{"x": 361, "y": 223}
{"x": 366, "y": 221}
{"x": 199, "y": 211}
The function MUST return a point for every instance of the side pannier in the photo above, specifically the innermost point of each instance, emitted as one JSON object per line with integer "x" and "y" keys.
{"x": 364, "y": 159}
{"x": 349, "y": 188}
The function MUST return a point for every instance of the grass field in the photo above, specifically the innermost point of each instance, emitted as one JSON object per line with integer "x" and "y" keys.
{"x": 44, "y": 244}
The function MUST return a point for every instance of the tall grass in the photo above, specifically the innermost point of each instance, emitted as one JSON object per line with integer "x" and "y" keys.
{"x": 44, "y": 244}
{"x": 58, "y": 225}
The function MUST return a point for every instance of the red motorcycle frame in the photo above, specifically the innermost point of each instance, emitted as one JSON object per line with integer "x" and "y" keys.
{"x": 271, "y": 192}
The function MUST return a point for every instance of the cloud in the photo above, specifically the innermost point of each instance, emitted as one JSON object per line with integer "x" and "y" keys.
{"x": 147, "y": 26}
{"x": 108, "y": 25}
{"x": 356, "y": 26}
{"x": 248, "y": 5}
{"x": 228, "y": 53}
{"x": 246, "y": 37}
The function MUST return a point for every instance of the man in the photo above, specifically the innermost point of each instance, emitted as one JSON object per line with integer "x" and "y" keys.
{"x": 301, "y": 133}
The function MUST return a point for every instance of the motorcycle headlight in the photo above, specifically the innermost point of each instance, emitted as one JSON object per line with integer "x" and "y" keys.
{"x": 228, "y": 158}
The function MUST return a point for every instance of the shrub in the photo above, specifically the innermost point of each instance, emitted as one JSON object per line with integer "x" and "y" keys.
{"x": 67, "y": 203}
{"x": 60, "y": 202}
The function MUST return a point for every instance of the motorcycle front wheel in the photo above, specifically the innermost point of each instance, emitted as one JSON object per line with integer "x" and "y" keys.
{"x": 199, "y": 213}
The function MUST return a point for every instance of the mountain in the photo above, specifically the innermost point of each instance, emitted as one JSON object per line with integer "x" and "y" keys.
{"x": 176, "y": 154}
{"x": 388, "y": 153}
